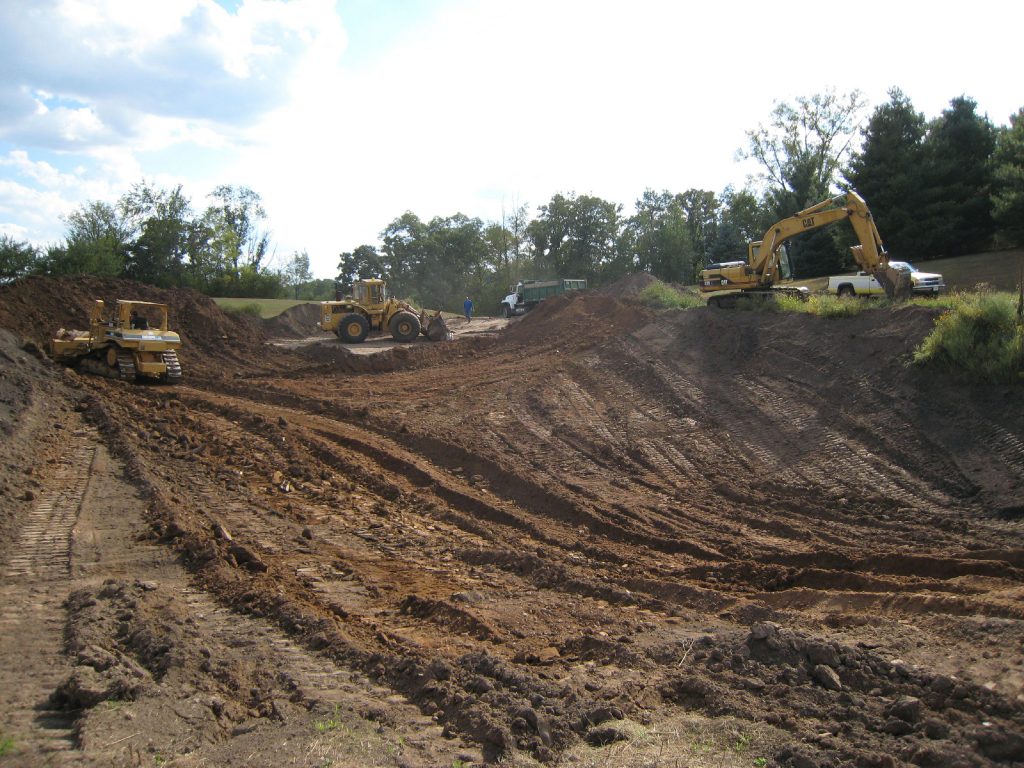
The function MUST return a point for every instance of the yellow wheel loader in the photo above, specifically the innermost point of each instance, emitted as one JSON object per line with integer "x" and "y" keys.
{"x": 370, "y": 310}
{"x": 130, "y": 342}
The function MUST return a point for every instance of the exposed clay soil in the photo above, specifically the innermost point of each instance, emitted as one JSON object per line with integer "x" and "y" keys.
{"x": 596, "y": 535}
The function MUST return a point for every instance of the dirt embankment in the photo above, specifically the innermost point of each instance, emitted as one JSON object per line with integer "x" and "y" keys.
{"x": 603, "y": 536}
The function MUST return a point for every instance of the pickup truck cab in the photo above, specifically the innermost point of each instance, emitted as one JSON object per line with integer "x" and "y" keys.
{"x": 865, "y": 284}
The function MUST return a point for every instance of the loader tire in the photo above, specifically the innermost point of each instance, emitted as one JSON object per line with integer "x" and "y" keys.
{"x": 405, "y": 327}
{"x": 353, "y": 328}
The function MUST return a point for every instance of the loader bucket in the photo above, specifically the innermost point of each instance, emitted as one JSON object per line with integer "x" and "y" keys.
{"x": 437, "y": 329}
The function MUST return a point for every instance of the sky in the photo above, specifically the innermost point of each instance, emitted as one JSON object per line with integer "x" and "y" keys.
{"x": 343, "y": 115}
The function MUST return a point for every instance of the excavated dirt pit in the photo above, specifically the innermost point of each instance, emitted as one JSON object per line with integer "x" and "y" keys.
{"x": 599, "y": 536}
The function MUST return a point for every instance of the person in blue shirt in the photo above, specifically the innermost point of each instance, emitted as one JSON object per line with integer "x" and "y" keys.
{"x": 467, "y": 306}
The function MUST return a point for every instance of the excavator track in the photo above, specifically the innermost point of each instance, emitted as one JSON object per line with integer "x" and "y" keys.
{"x": 173, "y": 374}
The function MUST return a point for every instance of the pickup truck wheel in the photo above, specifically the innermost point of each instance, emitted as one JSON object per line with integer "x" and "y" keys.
{"x": 405, "y": 327}
{"x": 353, "y": 328}
{"x": 846, "y": 290}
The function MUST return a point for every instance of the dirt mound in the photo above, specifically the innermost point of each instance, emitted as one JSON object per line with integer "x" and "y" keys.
{"x": 35, "y": 307}
{"x": 296, "y": 322}
{"x": 576, "y": 320}
{"x": 630, "y": 285}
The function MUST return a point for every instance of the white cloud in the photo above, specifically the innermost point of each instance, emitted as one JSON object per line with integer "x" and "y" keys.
{"x": 479, "y": 105}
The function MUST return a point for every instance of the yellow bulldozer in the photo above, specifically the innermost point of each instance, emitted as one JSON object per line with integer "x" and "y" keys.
{"x": 370, "y": 310}
{"x": 130, "y": 341}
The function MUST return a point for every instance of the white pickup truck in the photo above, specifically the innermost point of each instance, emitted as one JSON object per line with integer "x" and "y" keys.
{"x": 865, "y": 284}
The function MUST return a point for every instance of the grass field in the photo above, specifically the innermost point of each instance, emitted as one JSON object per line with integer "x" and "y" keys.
{"x": 267, "y": 307}
{"x": 999, "y": 269}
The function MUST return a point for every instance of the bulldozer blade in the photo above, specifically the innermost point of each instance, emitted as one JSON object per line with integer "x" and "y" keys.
{"x": 437, "y": 329}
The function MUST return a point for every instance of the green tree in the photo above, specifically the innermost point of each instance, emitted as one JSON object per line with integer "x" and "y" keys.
{"x": 454, "y": 261}
{"x": 577, "y": 237}
{"x": 17, "y": 258}
{"x": 888, "y": 173}
{"x": 363, "y": 262}
{"x": 1008, "y": 182}
{"x": 96, "y": 243}
{"x": 958, "y": 178}
{"x": 700, "y": 209}
{"x": 235, "y": 217}
{"x": 437, "y": 263}
{"x": 800, "y": 153}
{"x": 297, "y": 272}
{"x": 162, "y": 220}
{"x": 657, "y": 238}
{"x": 742, "y": 218}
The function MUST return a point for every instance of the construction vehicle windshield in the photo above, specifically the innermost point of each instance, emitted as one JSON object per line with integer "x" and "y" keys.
{"x": 785, "y": 271}
{"x": 370, "y": 293}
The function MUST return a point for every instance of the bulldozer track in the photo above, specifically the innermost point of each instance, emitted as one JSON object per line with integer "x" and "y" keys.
{"x": 173, "y": 375}
{"x": 125, "y": 365}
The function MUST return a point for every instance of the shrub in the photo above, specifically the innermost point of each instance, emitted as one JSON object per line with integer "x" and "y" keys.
{"x": 980, "y": 338}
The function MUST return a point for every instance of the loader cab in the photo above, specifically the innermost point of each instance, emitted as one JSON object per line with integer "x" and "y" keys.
{"x": 369, "y": 292}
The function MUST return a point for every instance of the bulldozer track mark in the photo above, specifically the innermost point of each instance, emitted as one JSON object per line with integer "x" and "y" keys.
{"x": 1006, "y": 446}
{"x": 35, "y": 581}
{"x": 891, "y": 603}
{"x": 44, "y": 546}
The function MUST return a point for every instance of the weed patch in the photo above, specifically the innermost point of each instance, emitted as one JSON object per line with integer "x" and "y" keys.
{"x": 661, "y": 296}
{"x": 980, "y": 338}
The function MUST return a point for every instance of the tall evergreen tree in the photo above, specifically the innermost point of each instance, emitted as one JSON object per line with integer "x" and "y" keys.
{"x": 887, "y": 173}
{"x": 958, "y": 179}
{"x": 1008, "y": 182}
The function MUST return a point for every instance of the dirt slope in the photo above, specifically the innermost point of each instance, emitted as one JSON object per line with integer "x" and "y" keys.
{"x": 602, "y": 536}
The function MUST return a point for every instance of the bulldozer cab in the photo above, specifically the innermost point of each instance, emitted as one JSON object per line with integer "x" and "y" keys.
{"x": 141, "y": 315}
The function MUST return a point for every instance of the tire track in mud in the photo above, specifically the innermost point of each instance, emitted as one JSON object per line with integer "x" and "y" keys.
{"x": 36, "y": 580}
{"x": 844, "y": 531}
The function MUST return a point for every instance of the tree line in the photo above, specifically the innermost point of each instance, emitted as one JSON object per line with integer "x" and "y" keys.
{"x": 155, "y": 236}
{"x": 943, "y": 187}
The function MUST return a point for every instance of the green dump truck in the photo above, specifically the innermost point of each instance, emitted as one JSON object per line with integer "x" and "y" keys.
{"x": 527, "y": 294}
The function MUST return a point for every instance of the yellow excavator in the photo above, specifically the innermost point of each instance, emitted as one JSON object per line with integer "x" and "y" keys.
{"x": 131, "y": 342}
{"x": 731, "y": 282}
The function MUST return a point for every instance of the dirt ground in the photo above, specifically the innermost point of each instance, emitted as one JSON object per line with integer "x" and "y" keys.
{"x": 596, "y": 535}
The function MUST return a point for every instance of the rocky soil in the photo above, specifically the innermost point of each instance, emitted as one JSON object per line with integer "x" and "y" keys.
{"x": 596, "y": 535}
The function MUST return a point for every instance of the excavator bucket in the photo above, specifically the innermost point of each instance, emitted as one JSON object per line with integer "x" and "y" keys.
{"x": 437, "y": 329}
{"x": 897, "y": 284}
